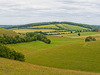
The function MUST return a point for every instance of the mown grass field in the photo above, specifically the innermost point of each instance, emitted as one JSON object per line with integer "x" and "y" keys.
{"x": 11, "y": 67}
{"x": 65, "y": 53}
{"x": 32, "y": 30}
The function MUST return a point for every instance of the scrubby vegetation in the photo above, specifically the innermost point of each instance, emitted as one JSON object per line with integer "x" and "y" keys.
{"x": 89, "y": 38}
{"x": 10, "y": 54}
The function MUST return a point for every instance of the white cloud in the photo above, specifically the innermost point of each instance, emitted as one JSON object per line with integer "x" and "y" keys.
{"x": 25, "y": 11}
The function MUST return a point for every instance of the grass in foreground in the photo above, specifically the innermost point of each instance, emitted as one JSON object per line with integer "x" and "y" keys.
{"x": 11, "y": 67}
{"x": 79, "y": 56}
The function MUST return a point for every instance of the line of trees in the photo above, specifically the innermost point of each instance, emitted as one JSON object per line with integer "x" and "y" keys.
{"x": 38, "y": 36}
{"x": 29, "y": 37}
{"x": 10, "y": 54}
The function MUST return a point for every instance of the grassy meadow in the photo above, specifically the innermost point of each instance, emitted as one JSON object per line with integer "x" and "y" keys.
{"x": 7, "y": 32}
{"x": 68, "y": 54}
{"x": 11, "y": 67}
{"x": 63, "y": 52}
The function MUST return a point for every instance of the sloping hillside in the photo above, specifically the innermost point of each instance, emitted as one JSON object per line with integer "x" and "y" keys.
{"x": 7, "y": 32}
{"x": 11, "y": 67}
{"x": 53, "y": 23}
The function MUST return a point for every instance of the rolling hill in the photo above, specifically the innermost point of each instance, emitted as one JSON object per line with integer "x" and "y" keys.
{"x": 65, "y": 53}
{"x": 8, "y": 32}
{"x": 57, "y": 26}
{"x": 49, "y": 23}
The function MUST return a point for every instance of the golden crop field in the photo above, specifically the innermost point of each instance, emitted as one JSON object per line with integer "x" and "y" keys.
{"x": 44, "y": 26}
{"x": 32, "y": 30}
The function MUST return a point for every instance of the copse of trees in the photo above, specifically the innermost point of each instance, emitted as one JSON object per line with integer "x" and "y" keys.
{"x": 28, "y": 37}
{"x": 38, "y": 36}
{"x": 10, "y": 54}
{"x": 89, "y": 38}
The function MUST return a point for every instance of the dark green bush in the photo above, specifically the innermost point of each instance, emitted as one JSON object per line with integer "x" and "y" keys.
{"x": 10, "y": 54}
{"x": 89, "y": 38}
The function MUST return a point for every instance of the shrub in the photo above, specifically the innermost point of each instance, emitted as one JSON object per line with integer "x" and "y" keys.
{"x": 89, "y": 38}
{"x": 10, "y": 54}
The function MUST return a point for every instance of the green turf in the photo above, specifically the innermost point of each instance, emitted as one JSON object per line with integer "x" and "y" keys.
{"x": 30, "y": 47}
{"x": 82, "y": 56}
{"x": 11, "y": 67}
{"x": 66, "y": 53}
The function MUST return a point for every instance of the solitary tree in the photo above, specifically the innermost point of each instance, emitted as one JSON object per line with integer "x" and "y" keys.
{"x": 78, "y": 34}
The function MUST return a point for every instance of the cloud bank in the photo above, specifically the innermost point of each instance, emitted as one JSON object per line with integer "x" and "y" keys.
{"x": 29, "y": 11}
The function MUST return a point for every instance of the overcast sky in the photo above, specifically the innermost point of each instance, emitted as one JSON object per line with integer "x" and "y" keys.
{"x": 31, "y": 11}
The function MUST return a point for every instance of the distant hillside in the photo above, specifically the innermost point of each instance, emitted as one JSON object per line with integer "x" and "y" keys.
{"x": 5, "y": 26}
{"x": 54, "y": 25}
{"x": 7, "y": 32}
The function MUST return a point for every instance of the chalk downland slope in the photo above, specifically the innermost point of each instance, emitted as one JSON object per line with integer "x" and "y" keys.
{"x": 11, "y": 67}
{"x": 8, "y": 32}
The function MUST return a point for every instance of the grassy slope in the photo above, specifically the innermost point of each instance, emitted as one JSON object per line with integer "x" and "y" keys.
{"x": 7, "y": 32}
{"x": 34, "y": 46}
{"x": 82, "y": 56}
{"x": 78, "y": 56}
{"x": 11, "y": 67}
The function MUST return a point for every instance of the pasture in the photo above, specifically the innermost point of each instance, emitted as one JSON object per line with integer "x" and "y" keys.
{"x": 11, "y": 67}
{"x": 8, "y": 32}
{"x": 64, "y": 53}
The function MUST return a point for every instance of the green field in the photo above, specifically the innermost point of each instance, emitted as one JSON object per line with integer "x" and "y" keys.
{"x": 68, "y": 54}
{"x": 71, "y": 27}
{"x": 11, "y": 67}
{"x": 65, "y": 53}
